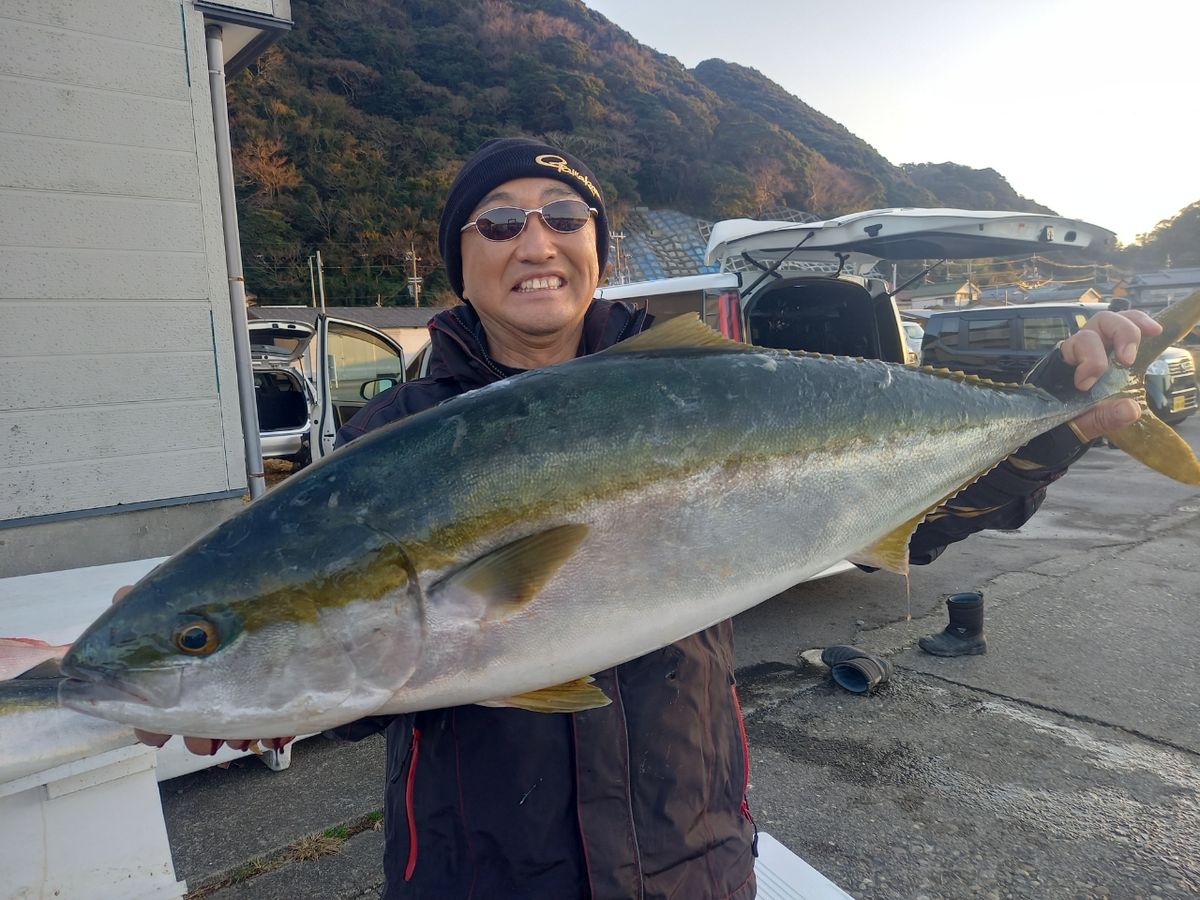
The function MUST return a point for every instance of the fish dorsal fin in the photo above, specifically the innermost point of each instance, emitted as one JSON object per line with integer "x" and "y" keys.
{"x": 682, "y": 332}
{"x": 1153, "y": 442}
{"x": 502, "y": 582}
{"x": 956, "y": 375}
{"x": 573, "y": 696}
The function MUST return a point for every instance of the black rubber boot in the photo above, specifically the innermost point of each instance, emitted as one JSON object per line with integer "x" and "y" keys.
{"x": 964, "y": 635}
{"x": 854, "y": 669}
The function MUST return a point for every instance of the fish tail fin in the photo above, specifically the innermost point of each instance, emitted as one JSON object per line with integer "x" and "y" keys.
{"x": 1154, "y": 443}
{"x": 1176, "y": 321}
{"x": 1150, "y": 440}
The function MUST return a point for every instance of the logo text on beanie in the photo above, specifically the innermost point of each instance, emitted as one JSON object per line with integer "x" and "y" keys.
{"x": 559, "y": 164}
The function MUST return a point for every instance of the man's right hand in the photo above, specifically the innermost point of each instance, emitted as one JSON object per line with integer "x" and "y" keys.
{"x": 201, "y": 746}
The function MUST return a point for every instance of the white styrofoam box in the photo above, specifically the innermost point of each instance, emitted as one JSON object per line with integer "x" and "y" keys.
{"x": 782, "y": 875}
{"x": 90, "y": 828}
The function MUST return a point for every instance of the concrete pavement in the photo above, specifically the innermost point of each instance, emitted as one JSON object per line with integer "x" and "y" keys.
{"x": 1064, "y": 763}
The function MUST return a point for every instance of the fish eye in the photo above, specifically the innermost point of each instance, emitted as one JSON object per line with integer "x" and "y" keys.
{"x": 196, "y": 637}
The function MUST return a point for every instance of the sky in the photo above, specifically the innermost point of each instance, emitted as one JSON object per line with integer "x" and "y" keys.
{"x": 1090, "y": 107}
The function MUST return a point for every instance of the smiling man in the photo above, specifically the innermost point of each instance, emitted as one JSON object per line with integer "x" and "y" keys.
{"x": 644, "y": 797}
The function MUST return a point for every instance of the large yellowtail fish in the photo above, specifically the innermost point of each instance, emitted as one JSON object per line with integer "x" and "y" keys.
{"x": 501, "y": 547}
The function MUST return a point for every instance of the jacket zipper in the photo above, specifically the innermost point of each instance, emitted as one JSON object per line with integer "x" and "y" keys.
{"x": 745, "y": 808}
{"x": 408, "y": 805}
{"x": 637, "y": 850}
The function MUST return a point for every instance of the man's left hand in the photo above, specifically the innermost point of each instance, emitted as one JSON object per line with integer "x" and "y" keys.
{"x": 1087, "y": 350}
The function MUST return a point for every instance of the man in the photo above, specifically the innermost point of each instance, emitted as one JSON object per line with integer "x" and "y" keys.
{"x": 645, "y": 797}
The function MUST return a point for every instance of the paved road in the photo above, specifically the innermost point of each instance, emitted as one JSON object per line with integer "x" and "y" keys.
{"x": 1065, "y": 763}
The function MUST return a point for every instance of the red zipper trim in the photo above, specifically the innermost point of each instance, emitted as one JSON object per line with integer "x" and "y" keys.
{"x": 408, "y": 805}
{"x": 737, "y": 706}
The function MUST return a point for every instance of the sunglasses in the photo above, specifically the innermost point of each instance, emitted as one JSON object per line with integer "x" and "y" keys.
{"x": 507, "y": 222}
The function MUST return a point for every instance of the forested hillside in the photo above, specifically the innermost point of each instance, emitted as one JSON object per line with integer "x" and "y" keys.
{"x": 349, "y": 131}
{"x": 1174, "y": 242}
{"x": 961, "y": 187}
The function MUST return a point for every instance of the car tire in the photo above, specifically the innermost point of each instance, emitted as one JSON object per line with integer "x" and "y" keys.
{"x": 301, "y": 459}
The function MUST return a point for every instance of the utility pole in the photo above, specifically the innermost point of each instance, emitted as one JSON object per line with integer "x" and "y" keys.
{"x": 321, "y": 280}
{"x": 617, "y": 237}
{"x": 312, "y": 282}
{"x": 415, "y": 281}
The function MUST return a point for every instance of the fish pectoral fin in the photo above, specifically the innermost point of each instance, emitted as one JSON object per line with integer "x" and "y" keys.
{"x": 681, "y": 331}
{"x": 503, "y": 581}
{"x": 1153, "y": 442}
{"x": 890, "y": 551}
{"x": 573, "y": 696}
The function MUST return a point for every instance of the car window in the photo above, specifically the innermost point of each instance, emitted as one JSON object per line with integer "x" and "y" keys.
{"x": 356, "y": 357}
{"x": 945, "y": 328}
{"x": 988, "y": 334}
{"x": 283, "y": 343}
{"x": 419, "y": 365}
{"x": 1044, "y": 332}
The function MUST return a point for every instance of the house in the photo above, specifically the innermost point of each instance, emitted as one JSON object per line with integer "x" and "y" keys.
{"x": 121, "y": 416}
{"x": 1159, "y": 289}
{"x": 1063, "y": 293}
{"x": 940, "y": 295}
{"x": 1006, "y": 295}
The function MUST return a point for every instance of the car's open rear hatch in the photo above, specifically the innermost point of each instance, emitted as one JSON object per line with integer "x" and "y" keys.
{"x": 279, "y": 341}
{"x": 857, "y": 241}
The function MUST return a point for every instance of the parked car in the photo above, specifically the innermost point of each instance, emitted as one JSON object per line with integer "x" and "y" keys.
{"x": 305, "y": 393}
{"x": 1004, "y": 343}
{"x": 913, "y": 333}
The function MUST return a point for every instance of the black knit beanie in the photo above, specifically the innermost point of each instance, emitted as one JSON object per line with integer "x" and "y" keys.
{"x": 501, "y": 160}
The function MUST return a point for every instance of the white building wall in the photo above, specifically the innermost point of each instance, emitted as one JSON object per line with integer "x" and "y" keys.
{"x": 115, "y": 329}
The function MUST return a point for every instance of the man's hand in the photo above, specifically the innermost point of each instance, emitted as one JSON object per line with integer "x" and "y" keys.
{"x": 199, "y": 746}
{"x": 1087, "y": 350}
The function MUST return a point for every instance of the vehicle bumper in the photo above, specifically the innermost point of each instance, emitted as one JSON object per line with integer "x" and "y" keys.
{"x": 288, "y": 442}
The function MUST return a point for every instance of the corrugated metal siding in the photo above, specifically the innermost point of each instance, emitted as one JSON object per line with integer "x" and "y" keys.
{"x": 112, "y": 283}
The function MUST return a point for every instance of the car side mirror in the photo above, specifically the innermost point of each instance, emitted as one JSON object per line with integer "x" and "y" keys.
{"x": 376, "y": 386}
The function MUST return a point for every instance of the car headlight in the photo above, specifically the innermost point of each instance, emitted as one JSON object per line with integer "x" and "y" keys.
{"x": 1158, "y": 367}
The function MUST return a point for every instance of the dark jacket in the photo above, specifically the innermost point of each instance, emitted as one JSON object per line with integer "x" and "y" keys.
{"x": 644, "y": 798}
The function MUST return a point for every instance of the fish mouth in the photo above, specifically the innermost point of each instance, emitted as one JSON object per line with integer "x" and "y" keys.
{"x": 85, "y": 690}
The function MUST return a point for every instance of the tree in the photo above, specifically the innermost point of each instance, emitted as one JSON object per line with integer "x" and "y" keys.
{"x": 263, "y": 163}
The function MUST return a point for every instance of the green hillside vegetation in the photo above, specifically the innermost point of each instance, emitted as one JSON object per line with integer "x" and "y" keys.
{"x": 961, "y": 187}
{"x": 347, "y": 134}
{"x": 1174, "y": 242}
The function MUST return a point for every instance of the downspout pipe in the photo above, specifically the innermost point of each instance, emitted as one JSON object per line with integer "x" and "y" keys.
{"x": 233, "y": 262}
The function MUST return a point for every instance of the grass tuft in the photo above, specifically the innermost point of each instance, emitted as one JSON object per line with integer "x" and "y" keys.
{"x": 314, "y": 846}
{"x": 307, "y": 849}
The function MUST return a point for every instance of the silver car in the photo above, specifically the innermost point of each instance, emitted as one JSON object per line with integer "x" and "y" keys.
{"x": 301, "y": 404}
